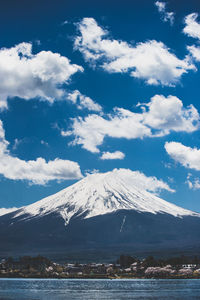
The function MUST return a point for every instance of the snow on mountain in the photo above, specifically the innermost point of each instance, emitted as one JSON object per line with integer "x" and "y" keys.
{"x": 4, "y": 211}
{"x": 102, "y": 193}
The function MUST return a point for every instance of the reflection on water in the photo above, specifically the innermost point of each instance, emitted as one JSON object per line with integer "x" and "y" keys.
{"x": 56, "y": 289}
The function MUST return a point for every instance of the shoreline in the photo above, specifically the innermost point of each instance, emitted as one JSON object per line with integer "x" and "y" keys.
{"x": 102, "y": 278}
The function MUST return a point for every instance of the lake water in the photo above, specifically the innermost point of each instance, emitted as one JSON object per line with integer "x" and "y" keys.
{"x": 56, "y": 289}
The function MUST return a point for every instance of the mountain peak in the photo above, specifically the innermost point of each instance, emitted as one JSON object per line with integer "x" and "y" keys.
{"x": 102, "y": 193}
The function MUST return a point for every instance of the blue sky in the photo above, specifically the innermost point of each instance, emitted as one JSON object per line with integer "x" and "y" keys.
{"x": 72, "y": 75}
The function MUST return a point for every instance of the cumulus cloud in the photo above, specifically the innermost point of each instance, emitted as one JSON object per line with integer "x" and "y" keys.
{"x": 27, "y": 75}
{"x": 186, "y": 156}
{"x": 166, "y": 16}
{"x": 194, "y": 51}
{"x": 192, "y": 27}
{"x": 159, "y": 117}
{"x": 151, "y": 61}
{"x": 112, "y": 155}
{"x": 83, "y": 101}
{"x": 37, "y": 171}
{"x": 91, "y": 130}
{"x": 168, "y": 114}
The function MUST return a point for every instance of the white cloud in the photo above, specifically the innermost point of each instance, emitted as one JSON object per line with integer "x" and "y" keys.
{"x": 193, "y": 184}
{"x": 186, "y": 156}
{"x": 37, "y": 171}
{"x": 44, "y": 143}
{"x": 65, "y": 22}
{"x": 168, "y": 114}
{"x": 196, "y": 184}
{"x": 161, "y": 6}
{"x": 27, "y": 75}
{"x": 167, "y": 165}
{"x": 158, "y": 118}
{"x": 83, "y": 101}
{"x": 90, "y": 131}
{"x": 151, "y": 61}
{"x": 17, "y": 142}
{"x": 112, "y": 155}
{"x": 166, "y": 16}
{"x": 192, "y": 27}
{"x": 194, "y": 51}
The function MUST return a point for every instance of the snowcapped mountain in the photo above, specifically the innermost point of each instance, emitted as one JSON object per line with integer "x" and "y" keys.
{"x": 99, "y": 194}
{"x": 113, "y": 211}
{"x": 4, "y": 211}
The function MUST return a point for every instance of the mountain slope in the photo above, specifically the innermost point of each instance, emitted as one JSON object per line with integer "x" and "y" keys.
{"x": 102, "y": 212}
{"x": 99, "y": 194}
{"x": 4, "y": 211}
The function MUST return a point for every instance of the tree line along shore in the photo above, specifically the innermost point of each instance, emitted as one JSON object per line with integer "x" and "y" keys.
{"x": 125, "y": 267}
